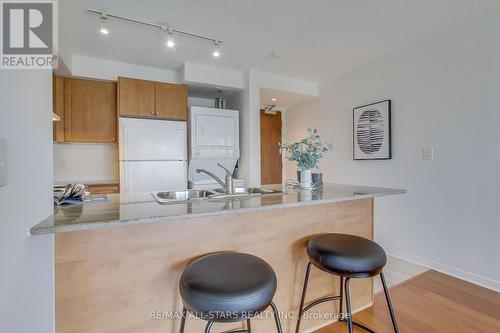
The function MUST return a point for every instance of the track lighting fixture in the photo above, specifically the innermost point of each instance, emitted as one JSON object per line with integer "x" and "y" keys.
{"x": 105, "y": 17}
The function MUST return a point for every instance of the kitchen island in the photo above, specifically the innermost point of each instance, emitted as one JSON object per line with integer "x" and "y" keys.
{"x": 118, "y": 263}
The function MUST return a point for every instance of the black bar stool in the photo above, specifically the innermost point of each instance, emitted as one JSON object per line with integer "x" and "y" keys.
{"x": 349, "y": 257}
{"x": 228, "y": 287}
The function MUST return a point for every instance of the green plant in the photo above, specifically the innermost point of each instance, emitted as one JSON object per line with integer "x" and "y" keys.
{"x": 306, "y": 152}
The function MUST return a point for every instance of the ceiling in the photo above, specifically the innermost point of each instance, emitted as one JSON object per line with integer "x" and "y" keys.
{"x": 283, "y": 99}
{"x": 314, "y": 39}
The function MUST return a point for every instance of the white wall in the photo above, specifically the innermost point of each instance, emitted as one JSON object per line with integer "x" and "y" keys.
{"x": 199, "y": 101}
{"x": 250, "y": 116}
{"x": 85, "y": 162}
{"x": 239, "y": 101}
{"x": 445, "y": 94}
{"x": 192, "y": 73}
{"x": 26, "y": 276}
{"x": 110, "y": 70}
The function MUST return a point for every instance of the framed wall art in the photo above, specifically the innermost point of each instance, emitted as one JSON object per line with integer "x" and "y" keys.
{"x": 372, "y": 131}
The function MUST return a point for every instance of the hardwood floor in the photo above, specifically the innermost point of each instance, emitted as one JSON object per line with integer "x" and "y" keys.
{"x": 432, "y": 302}
{"x": 397, "y": 271}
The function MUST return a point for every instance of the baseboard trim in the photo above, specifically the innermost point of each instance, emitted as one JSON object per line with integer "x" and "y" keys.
{"x": 445, "y": 269}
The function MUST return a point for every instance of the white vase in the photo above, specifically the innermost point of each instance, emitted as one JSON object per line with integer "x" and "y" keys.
{"x": 305, "y": 178}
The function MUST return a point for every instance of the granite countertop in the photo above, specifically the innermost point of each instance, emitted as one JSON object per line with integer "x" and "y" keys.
{"x": 125, "y": 209}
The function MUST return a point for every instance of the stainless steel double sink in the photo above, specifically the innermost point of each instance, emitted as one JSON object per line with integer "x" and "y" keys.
{"x": 200, "y": 195}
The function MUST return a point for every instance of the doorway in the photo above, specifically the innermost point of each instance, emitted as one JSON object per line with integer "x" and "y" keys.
{"x": 270, "y": 157}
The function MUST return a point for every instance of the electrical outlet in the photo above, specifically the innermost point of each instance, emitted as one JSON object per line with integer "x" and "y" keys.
{"x": 428, "y": 154}
{"x": 3, "y": 163}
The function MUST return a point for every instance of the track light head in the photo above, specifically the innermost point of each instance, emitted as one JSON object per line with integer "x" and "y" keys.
{"x": 104, "y": 24}
{"x": 170, "y": 42}
{"x": 217, "y": 52}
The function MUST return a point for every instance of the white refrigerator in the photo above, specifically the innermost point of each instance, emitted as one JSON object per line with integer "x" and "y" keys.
{"x": 153, "y": 155}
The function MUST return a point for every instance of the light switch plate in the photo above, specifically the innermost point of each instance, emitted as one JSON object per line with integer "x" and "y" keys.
{"x": 3, "y": 163}
{"x": 428, "y": 154}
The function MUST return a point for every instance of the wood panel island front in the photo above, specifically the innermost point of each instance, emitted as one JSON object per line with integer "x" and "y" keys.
{"x": 118, "y": 263}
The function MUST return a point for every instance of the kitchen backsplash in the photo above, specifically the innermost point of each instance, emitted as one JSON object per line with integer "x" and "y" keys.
{"x": 85, "y": 161}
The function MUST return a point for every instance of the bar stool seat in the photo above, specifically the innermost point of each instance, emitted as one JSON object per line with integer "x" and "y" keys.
{"x": 346, "y": 255}
{"x": 227, "y": 287}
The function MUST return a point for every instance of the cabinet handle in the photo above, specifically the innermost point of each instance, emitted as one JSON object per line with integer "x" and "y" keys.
{"x": 157, "y": 113}
{"x": 114, "y": 139}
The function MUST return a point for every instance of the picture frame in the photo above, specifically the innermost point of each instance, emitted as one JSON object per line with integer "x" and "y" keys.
{"x": 371, "y": 131}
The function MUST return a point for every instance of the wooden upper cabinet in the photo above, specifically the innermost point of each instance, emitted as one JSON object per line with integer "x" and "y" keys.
{"x": 149, "y": 99}
{"x": 89, "y": 111}
{"x": 136, "y": 97}
{"x": 171, "y": 101}
{"x": 58, "y": 103}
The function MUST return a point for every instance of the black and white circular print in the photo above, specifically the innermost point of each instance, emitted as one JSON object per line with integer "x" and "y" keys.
{"x": 370, "y": 131}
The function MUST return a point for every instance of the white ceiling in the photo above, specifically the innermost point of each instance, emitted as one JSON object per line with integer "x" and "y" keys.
{"x": 283, "y": 100}
{"x": 315, "y": 39}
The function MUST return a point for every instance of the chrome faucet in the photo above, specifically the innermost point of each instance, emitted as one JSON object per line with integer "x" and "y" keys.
{"x": 227, "y": 185}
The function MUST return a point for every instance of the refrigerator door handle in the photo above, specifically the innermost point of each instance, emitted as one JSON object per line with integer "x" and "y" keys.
{"x": 123, "y": 178}
{"x": 125, "y": 134}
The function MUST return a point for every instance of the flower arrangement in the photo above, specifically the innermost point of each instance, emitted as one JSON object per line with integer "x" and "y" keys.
{"x": 306, "y": 152}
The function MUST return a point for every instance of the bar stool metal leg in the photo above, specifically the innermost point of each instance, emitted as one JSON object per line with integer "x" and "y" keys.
{"x": 341, "y": 296}
{"x": 348, "y": 304}
{"x": 304, "y": 290}
{"x": 349, "y": 320}
{"x": 389, "y": 303}
{"x": 183, "y": 320}
{"x": 277, "y": 317}
{"x": 209, "y": 326}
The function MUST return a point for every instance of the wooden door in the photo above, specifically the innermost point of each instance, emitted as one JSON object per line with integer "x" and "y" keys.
{"x": 58, "y": 107}
{"x": 171, "y": 101}
{"x": 270, "y": 158}
{"x": 136, "y": 98}
{"x": 89, "y": 110}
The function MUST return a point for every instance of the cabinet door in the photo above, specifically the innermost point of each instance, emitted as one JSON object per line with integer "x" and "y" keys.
{"x": 171, "y": 101}
{"x": 136, "y": 98}
{"x": 90, "y": 111}
{"x": 58, "y": 103}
